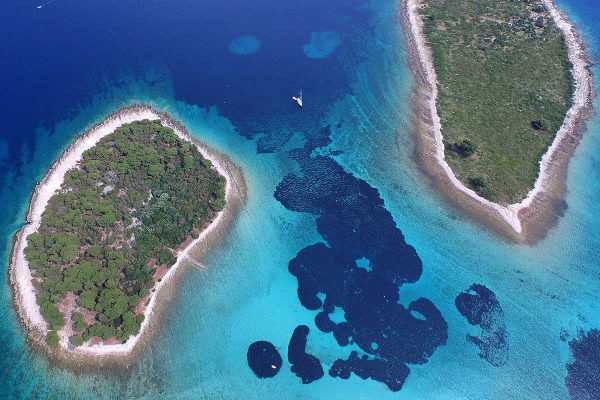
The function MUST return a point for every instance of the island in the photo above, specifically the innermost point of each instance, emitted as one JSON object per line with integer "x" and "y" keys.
{"x": 110, "y": 224}
{"x": 503, "y": 91}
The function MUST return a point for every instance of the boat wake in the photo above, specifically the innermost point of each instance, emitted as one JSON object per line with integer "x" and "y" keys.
{"x": 45, "y": 4}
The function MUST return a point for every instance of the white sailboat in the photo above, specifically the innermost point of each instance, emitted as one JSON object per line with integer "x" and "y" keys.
{"x": 298, "y": 99}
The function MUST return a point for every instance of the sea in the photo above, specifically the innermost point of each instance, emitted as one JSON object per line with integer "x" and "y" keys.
{"x": 404, "y": 297}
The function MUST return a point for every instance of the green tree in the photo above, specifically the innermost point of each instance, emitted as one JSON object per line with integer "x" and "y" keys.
{"x": 87, "y": 299}
{"x": 77, "y": 340}
{"x": 78, "y": 322}
{"x": 52, "y": 339}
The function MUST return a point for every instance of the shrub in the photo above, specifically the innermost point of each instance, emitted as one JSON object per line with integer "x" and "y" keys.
{"x": 479, "y": 185}
{"x": 539, "y": 8}
{"x": 539, "y": 125}
{"x": 52, "y": 315}
{"x": 77, "y": 341}
{"x": 464, "y": 148}
{"x": 52, "y": 339}
{"x": 78, "y": 322}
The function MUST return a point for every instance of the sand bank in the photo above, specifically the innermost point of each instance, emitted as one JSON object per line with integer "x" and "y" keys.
{"x": 529, "y": 219}
{"x": 21, "y": 278}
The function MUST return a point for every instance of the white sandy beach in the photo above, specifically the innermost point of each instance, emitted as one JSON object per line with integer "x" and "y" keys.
{"x": 581, "y": 101}
{"x": 20, "y": 273}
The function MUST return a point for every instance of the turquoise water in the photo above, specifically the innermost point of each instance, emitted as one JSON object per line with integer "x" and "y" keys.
{"x": 246, "y": 292}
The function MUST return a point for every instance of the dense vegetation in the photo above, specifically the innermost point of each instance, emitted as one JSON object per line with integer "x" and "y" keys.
{"x": 133, "y": 199}
{"x": 504, "y": 88}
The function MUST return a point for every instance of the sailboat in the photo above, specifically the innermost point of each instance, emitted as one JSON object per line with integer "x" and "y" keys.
{"x": 298, "y": 99}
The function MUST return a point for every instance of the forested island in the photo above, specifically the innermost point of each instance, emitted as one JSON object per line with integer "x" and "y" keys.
{"x": 133, "y": 201}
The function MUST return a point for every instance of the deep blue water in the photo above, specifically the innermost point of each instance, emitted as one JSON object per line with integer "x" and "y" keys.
{"x": 343, "y": 257}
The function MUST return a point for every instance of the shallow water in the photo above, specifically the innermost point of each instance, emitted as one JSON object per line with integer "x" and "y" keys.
{"x": 71, "y": 63}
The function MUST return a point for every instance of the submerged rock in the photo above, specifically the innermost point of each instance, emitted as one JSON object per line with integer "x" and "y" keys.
{"x": 264, "y": 359}
{"x": 321, "y": 45}
{"x": 304, "y": 365}
{"x": 479, "y": 306}
{"x": 583, "y": 376}
{"x": 244, "y": 45}
{"x": 353, "y": 221}
{"x": 373, "y": 368}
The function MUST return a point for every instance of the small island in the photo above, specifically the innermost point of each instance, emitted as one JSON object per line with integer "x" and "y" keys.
{"x": 109, "y": 224}
{"x": 504, "y": 89}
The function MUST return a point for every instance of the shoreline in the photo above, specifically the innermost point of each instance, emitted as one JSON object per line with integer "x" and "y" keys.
{"x": 20, "y": 275}
{"x": 528, "y": 220}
